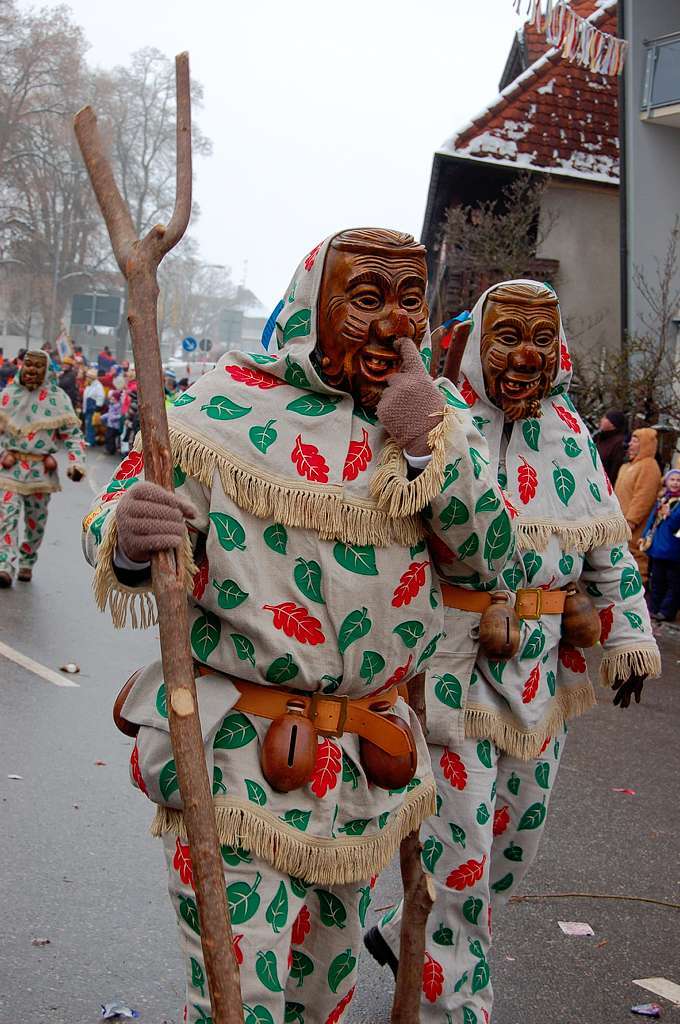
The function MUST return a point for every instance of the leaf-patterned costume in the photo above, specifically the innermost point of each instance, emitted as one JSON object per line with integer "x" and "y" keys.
{"x": 496, "y": 730}
{"x": 312, "y": 572}
{"x": 33, "y": 424}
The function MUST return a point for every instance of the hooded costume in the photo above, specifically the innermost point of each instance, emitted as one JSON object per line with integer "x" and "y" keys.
{"x": 33, "y": 425}
{"x": 496, "y": 729}
{"x": 313, "y": 574}
{"x": 637, "y": 486}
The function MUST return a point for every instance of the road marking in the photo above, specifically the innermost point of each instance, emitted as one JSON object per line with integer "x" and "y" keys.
{"x": 35, "y": 667}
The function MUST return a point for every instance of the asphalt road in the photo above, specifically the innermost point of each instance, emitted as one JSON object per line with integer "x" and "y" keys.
{"x": 78, "y": 867}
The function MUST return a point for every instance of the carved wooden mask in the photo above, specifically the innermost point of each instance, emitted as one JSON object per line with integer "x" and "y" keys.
{"x": 34, "y": 370}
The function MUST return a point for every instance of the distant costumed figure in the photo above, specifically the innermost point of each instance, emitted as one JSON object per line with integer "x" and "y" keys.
{"x": 305, "y": 481}
{"x": 36, "y": 419}
{"x": 505, "y": 680}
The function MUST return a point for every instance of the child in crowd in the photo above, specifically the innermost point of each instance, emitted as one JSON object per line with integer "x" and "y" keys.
{"x": 113, "y": 419}
{"x": 661, "y": 542}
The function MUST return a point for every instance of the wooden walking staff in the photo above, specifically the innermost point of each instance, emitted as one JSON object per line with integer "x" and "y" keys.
{"x": 419, "y": 892}
{"x": 138, "y": 260}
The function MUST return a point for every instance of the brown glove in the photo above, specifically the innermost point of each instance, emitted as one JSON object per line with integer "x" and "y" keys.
{"x": 75, "y": 473}
{"x": 626, "y": 689}
{"x": 411, "y": 406}
{"x": 8, "y": 460}
{"x": 151, "y": 519}
{"x": 50, "y": 463}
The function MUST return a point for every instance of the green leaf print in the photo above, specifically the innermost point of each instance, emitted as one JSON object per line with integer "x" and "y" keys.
{"x": 295, "y": 375}
{"x": 168, "y": 781}
{"x": 451, "y": 473}
{"x": 300, "y": 967}
{"x": 230, "y": 533}
{"x": 235, "y": 855}
{"x": 333, "y": 683}
{"x": 97, "y": 526}
{"x": 230, "y": 594}
{"x": 294, "y": 1013}
{"x": 365, "y": 415}
{"x": 431, "y": 852}
{"x": 341, "y": 968}
{"x": 162, "y": 701}
{"x": 594, "y": 490}
{"x": 255, "y": 1015}
{"x": 222, "y": 408}
{"x": 418, "y": 548}
{"x": 571, "y": 447}
{"x": 426, "y": 356}
{"x": 410, "y": 632}
{"x": 256, "y": 793}
{"x": 514, "y": 784}
{"x": 532, "y": 432}
{"x": 456, "y": 988}
{"x": 189, "y": 912}
{"x": 615, "y": 555}
{"x": 243, "y": 900}
{"x": 635, "y": 620}
{"x": 245, "y": 648}
{"x": 372, "y": 664}
{"x": 358, "y": 558}
{"x": 236, "y": 731}
{"x": 630, "y": 583}
{"x": 469, "y": 1016}
{"x": 356, "y": 827}
{"x": 469, "y": 547}
{"x": 532, "y": 818}
{"x": 429, "y": 650}
{"x": 354, "y": 627}
{"x": 458, "y": 834}
{"x": 277, "y": 911}
{"x": 593, "y": 590}
{"x": 443, "y": 936}
{"x": 266, "y": 970}
{"x": 307, "y": 576}
{"x": 472, "y": 908}
{"x": 197, "y": 975}
{"x": 282, "y": 670}
{"x": 513, "y": 577}
{"x": 532, "y": 564}
{"x": 451, "y": 399}
{"x": 483, "y": 814}
{"x": 382, "y": 820}
{"x": 533, "y": 648}
{"x": 513, "y": 852}
{"x": 593, "y": 452}
{"x": 185, "y": 399}
{"x": 542, "y": 774}
{"x": 313, "y": 405}
{"x": 299, "y": 887}
{"x": 484, "y": 752}
{"x": 455, "y": 514}
{"x": 480, "y": 975}
{"x": 263, "y": 437}
{"x": 297, "y": 819}
{"x": 565, "y": 484}
{"x": 449, "y": 691}
{"x": 276, "y": 538}
{"x": 489, "y": 502}
{"x": 480, "y": 423}
{"x": 497, "y": 668}
{"x": 364, "y": 904}
{"x": 299, "y": 325}
{"x": 350, "y": 772}
{"x": 566, "y": 564}
{"x": 331, "y": 909}
{"x": 503, "y": 883}
{"x": 498, "y": 537}
{"x": 218, "y": 785}
{"x": 178, "y": 477}
{"x": 550, "y": 680}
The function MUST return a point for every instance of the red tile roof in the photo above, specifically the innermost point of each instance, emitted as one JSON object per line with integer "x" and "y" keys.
{"x": 556, "y": 116}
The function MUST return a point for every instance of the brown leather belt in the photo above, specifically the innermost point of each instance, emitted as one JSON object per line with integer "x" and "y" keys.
{"x": 530, "y": 603}
{"x": 331, "y": 716}
{"x": 26, "y": 456}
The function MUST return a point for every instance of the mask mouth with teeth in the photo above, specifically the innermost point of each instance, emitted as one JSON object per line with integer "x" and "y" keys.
{"x": 34, "y": 370}
{"x": 372, "y": 293}
{"x": 520, "y": 347}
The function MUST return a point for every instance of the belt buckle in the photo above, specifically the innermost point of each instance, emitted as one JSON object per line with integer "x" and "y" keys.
{"x": 313, "y": 714}
{"x": 537, "y": 610}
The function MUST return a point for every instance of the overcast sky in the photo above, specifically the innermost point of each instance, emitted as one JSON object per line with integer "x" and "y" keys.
{"x": 323, "y": 115}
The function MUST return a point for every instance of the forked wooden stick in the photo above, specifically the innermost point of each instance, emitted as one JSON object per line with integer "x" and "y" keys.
{"x": 138, "y": 260}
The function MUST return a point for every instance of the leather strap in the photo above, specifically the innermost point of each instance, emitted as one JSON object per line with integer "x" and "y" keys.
{"x": 26, "y": 456}
{"x": 530, "y": 602}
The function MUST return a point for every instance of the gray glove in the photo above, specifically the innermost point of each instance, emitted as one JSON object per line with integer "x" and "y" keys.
{"x": 151, "y": 519}
{"x": 411, "y": 405}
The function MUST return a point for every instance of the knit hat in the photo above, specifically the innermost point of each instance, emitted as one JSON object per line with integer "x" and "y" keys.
{"x": 617, "y": 420}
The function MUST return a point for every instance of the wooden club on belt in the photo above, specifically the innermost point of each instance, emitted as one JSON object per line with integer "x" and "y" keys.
{"x": 139, "y": 260}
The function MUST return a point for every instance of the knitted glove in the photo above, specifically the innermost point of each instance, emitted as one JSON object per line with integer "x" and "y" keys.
{"x": 411, "y": 406}
{"x": 75, "y": 473}
{"x": 151, "y": 519}
{"x": 8, "y": 460}
{"x": 626, "y": 689}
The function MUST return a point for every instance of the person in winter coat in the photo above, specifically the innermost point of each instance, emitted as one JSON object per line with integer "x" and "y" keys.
{"x": 93, "y": 400}
{"x": 637, "y": 486}
{"x": 611, "y": 443}
{"x": 68, "y": 381}
{"x": 661, "y": 542}
{"x": 113, "y": 418}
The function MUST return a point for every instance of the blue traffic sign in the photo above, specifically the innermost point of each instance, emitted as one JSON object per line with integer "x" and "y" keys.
{"x": 190, "y": 344}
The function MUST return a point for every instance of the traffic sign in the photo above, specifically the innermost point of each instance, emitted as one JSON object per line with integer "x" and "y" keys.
{"x": 189, "y": 344}
{"x": 205, "y": 344}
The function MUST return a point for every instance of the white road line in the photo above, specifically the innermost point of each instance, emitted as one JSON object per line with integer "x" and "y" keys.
{"x": 35, "y": 667}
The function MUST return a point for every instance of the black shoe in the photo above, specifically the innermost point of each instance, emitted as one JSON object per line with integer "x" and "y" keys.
{"x": 5, "y": 580}
{"x": 380, "y": 951}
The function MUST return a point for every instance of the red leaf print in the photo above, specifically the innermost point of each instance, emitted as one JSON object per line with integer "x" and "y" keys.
{"x": 610, "y": 489}
{"x": 136, "y": 771}
{"x": 565, "y": 358}
{"x": 509, "y": 505}
{"x": 606, "y": 621}
{"x": 29, "y": 437}
{"x": 501, "y": 820}
{"x": 399, "y": 674}
{"x": 468, "y": 393}
{"x": 112, "y": 495}
{"x": 441, "y": 552}
{"x": 309, "y": 462}
{"x": 5, "y": 398}
{"x": 327, "y": 769}
{"x": 236, "y": 946}
{"x": 467, "y": 875}
{"x": 310, "y": 258}
{"x": 31, "y": 523}
{"x": 485, "y": 1013}
{"x": 296, "y": 621}
{"x": 545, "y": 745}
{"x": 182, "y": 863}
{"x": 531, "y": 686}
{"x": 131, "y": 466}
{"x": 567, "y": 418}
{"x": 7, "y": 496}
{"x": 359, "y": 455}
{"x": 301, "y": 926}
{"x": 433, "y": 979}
{"x": 572, "y": 658}
{"x": 527, "y": 480}
{"x": 7, "y": 538}
{"x": 454, "y": 770}
{"x": 254, "y": 378}
{"x": 42, "y": 394}
{"x": 409, "y": 584}
{"x": 335, "y": 1015}
{"x": 201, "y": 579}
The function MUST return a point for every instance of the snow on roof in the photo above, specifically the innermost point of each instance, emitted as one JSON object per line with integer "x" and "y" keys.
{"x": 555, "y": 116}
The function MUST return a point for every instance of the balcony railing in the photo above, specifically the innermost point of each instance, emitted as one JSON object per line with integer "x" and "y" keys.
{"x": 661, "y": 82}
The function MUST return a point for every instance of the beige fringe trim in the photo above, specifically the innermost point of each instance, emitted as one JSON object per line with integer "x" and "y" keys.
{"x": 67, "y": 419}
{"x": 632, "y": 659}
{"x": 327, "y": 510}
{"x": 392, "y": 489}
{"x": 337, "y": 861}
{"x": 483, "y": 723}
{"x": 34, "y": 487}
{"x": 134, "y": 603}
{"x": 574, "y": 536}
